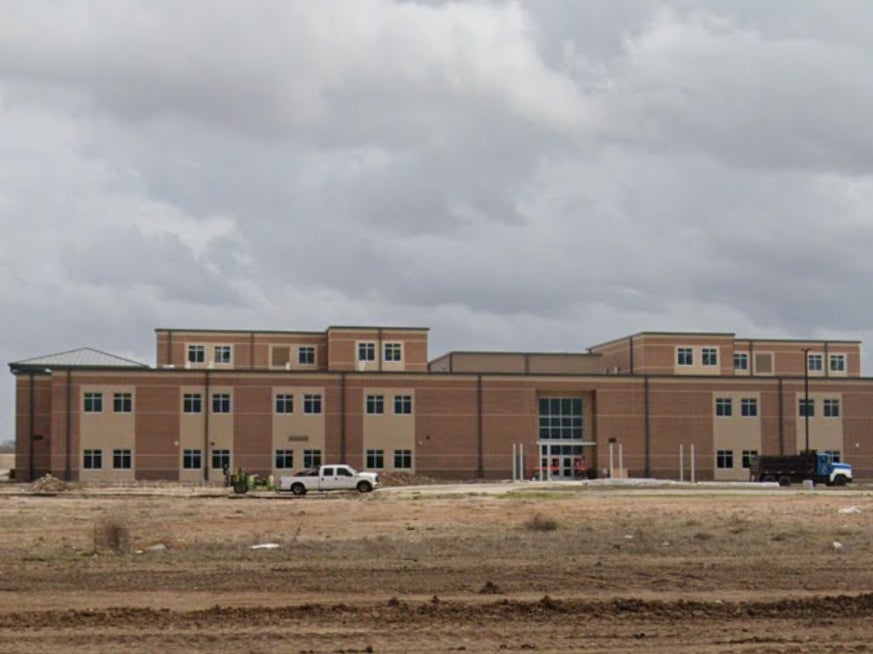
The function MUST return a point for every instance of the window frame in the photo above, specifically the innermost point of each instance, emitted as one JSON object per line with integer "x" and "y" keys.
{"x": 311, "y": 458}
{"x": 831, "y": 407}
{"x": 220, "y": 456}
{"x": 709, "y": 356}
{"x": 805, "y": 408}
{"x": 283, "y": 403}
{"x": 404, "y": 403}
{"x": 222, "y": 354}
{"x": 375, "y": 459}
{"x": 684, "y": 356}
{"x": 749, "y": 407}
{"x": 833, "y": 366}
{"x": 122, "y": 402}
{"x": 221, "y": 403}
{"x": 403, "y": 459}
{"x": 306, "y": 355}
{"x": 374, "y": 404}
{"x": 92, "y": 402}
{"x": 283, "y": 459}
{"x": 192, "y": 401}
{"x": 724, "y": 459}
{"x": 724, "y": 407}
{"x": 745, "y": 460}
{"x": 392, "y": 351}
{"x": 190, "y": 457}
{"x": 312, "y": 404}
{"x": 814, "y": 362}
{"x": 92, "y": 459}
{"x": 741, "y": 357}
{"x": 122, "y": 459}
{"x": 366, "y": 351}
{"x": 198, "y": 351}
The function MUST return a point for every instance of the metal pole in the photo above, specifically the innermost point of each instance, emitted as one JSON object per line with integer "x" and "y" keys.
{"x": 621, "y": 460}
{"x": 611, "y": 471}
{"x": 692, "y": 463}
{"x": 514, "y": 463}
{"x": 681, "y": 462}
{"x": 806, "y": 398}
{"x": 521, "y": 460}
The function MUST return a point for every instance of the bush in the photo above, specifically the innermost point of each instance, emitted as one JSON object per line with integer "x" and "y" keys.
{"x": 111, "y": 533}
{"x": 540, "y": 523}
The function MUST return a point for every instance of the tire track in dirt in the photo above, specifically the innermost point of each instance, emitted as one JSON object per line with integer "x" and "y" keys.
{"x": 438, "y": 611}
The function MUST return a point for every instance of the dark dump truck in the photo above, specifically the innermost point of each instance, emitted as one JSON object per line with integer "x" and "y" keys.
{"x": 820, "y": 467}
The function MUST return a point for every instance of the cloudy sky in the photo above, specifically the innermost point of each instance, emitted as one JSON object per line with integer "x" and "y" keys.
{"x": 515, "y": 175}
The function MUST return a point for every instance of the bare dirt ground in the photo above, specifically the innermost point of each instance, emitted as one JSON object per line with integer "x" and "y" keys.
{"x": 566, "y": 568}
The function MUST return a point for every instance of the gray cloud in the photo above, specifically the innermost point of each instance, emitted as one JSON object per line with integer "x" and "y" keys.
{"x": 515, "y": 175}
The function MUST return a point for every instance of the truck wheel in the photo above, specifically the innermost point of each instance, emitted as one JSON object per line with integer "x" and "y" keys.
{"x": 364, "y": 486}
{"x": 840, "y": 480}
{"x": 769, "y": 478}
{"x": 784, "y": 481}
{"x": 298, "y": 488}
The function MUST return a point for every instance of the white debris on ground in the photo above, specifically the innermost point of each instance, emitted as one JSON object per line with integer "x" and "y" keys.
{"x": 850, "y": 509}
{"x": 838, "y": 546}
{"x": 265, "y": 546}
{"x": 48, "y": 484}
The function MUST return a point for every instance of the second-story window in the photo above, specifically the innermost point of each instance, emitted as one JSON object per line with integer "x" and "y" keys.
{"x": 806, "y": 408}
{"x": 221, "y": 403}
{"x": 814, "y": 362}
{"x": 684, "y": 356}
{"x": 741, "y": 361}
{"x": 724, "y": 407}
{"x": 832, "y": 408}
{"x": 192, "y": 403}
{"x": 312, "y": 403}
{"x": 403, "y": 404}
{"x": 375, "y": 404}
{"x": 122, "y": 402}
{"x": 838, "y": 362}
{"x": 393, "y": 352}
{"x": 366, "y": 351}
{"x": 284, "y": 403}
{"x": 222, "y": 353}
{"x": 710, "y": 356}
{"x": 93, "y": 402}
{"x": 749, "y": 407}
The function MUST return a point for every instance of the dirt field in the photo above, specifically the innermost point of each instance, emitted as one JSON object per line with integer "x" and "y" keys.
{"x": 444, "y": 569}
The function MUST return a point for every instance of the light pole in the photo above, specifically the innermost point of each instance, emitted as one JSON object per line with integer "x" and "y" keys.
{"x": 806, "y": 398}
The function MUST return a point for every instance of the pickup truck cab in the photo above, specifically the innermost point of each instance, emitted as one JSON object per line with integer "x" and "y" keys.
{"x": 329, "y": 477}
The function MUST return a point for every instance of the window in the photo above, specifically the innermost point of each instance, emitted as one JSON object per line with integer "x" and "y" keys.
{"x": 284, "y": 403}
{"x": 222, "y": 353}
{"x": 122, "y": 402}
{"x": 834, "y": 454}
{"x": 724, "y": 407}
{"x": 741, "y": 361}
{"x": 312, "y": 403}
{"x": 710, "y": 356}
{"x": 191, "y": 459}
{"x": 838, "y": 362}
{"x": 561, "y": 418}
{"x": 221, "y": 403}
{"x": 814, "y": 362}
{"x": 284, "y": 459}
{"x": 749, "y": 407}
{"x": 306, "y": 355}
{"x": 93, "y": 402}
{"x": 122, "y": 459}
{"x": 366, "y": 351}
{"x": 806, "y": 407}
{"x": 311, "y": 458}
{"x": 192, "y": 403}
{"x": 221, "y": 459}
{"x": 684, "y": 356}
{"x": 832, "y": 408}
{"x": 403, "y": 459}
{"x": 375, "y": 459}
{"x": 393, "y": 352}
{"x": 375, "y": 404}
{"x": 93, "y": 460}
{"x": 196, "y": 353}
{"x": 724, "y": 459}
{"x": 402, "y": 404}
{"x": 747, "y": 457}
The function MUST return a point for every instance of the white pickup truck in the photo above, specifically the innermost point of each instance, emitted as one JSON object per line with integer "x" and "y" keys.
{"x": 330, "y": 477}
